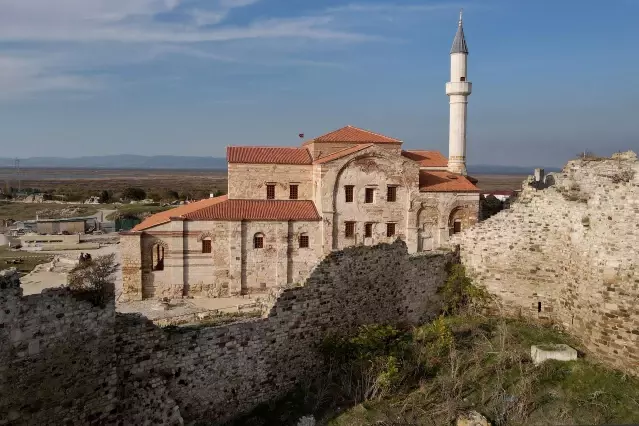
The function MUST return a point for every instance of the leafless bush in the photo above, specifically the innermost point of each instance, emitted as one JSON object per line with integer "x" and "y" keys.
{"x": 94, "y": 280}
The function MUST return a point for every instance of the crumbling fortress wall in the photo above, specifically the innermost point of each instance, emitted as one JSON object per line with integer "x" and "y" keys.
{"x": 568, "y": 251}
{"x": 96, "y": 366}
{"x": 57, "y": 359}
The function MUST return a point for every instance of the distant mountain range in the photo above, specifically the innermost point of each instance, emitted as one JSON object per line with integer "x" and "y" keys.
{"x": 122, "y": 161}
{"x": 125, "y": 161}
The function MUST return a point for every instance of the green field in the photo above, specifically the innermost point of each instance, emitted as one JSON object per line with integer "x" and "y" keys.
{"x": 29, "y": 260}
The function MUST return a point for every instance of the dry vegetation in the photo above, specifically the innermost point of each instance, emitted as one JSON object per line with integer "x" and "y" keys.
{"x": 430, "y": 374}
{"x": 28, "y": 211}
{"x": 79, "y": 184}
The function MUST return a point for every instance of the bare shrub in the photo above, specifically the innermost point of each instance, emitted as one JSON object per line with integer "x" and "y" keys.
{"x": 94, "y": 280}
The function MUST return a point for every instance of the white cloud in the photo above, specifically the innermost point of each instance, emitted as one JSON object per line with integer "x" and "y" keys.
{"x": 22, "y": 76}
{"x": 95, "y": 33}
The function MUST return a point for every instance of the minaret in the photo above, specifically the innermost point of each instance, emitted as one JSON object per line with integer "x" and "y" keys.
{"x": 458, "y": 90}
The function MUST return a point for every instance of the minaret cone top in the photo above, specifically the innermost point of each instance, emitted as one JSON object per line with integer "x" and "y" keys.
{"x": 459, "y": 44}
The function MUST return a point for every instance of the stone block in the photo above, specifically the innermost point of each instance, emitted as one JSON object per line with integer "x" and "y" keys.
{"x": 559, "y": 352}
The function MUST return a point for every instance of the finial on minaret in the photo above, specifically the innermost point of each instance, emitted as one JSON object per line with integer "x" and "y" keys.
{"x": 459, "y": 44}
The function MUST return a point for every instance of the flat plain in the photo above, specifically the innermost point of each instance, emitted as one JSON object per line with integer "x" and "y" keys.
{"x": 163, "y": 180}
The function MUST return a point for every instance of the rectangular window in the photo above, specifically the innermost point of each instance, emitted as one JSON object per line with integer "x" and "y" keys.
{"x": 292, "y": 192}
{"x": 206, "y": 246}
{"x": 368, "y": 230}
{"x": 270, "y": 192}
{"x": 391, "y": 195}
{"x": 390, "y": 229}
{"x": 303, "y": 241}
{"x": 348, "y": 191}
{"x": 370, "y": 195}
{"x": 349, "y": 232}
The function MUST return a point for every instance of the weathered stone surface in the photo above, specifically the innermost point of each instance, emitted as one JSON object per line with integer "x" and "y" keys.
{"x": 568, "y": 254}
{"x": 66, "y": 361}
{"x": 424, "y": 220}
{"x": 560, "y": 352}
{"x": 472, "y": 418}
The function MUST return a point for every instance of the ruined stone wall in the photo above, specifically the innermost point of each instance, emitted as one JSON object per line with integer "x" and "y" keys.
{"x": 432, "y": 214}
{"x": 568, "y": 252}
{"x": 248, "y": 181}
{"x": 64, "y": 361}
{"x": 216, "y": 373}
{"x": 57, "y": 359}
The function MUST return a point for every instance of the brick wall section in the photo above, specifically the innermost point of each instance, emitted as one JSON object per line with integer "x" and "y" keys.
{"x": 57, "y": 360}
{"x": 91, "y": 365}
{"x": 249, "y": 181}
{"x": 569, "y": 250}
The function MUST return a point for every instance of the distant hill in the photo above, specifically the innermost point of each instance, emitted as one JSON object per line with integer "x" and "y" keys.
{"x": 125, "y": 161}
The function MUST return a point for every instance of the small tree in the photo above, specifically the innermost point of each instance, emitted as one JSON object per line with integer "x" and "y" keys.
{"x": 94, "y": 280}
{"x": 171, "y": 195}
{"x": 134, "y": 194}
{"x": 104, "y": 197}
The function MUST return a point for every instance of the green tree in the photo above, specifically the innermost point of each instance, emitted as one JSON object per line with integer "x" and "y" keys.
{"x": 134, "y": 194}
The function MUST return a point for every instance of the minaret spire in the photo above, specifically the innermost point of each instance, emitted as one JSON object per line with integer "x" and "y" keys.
{"x": 459, "y": 43}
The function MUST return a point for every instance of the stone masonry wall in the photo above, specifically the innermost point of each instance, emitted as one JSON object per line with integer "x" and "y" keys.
{"x": 214, "y": 374}
{"x": 57, "y": 359}
{"x": 63, "y": 361}
{"x": 568, "y": 252}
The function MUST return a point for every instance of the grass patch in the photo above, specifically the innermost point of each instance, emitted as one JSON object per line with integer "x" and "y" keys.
{"x": 29, "y": 260}
{"x": 428, "y": 375}
{"x": 137, "y": 210}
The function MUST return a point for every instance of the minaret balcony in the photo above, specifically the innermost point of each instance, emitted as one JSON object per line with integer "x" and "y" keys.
{"x": 459, "y": 88}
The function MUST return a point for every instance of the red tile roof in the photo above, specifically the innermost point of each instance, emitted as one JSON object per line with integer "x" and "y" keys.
{"x": 257, "y": 210}
{"x": 165, "y": 216}
{"x": 435, "y": 181}
{"x": 268, "y": 155}
{"x": 342, "y": 153}
{"x": 221, "y": 208}
{"x": 351, "y": 134}
{"x": 427, "y": 158}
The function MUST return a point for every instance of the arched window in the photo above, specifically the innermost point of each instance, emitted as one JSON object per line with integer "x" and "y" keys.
{"x": 158, "y": 257}
{"x": 258, "y": 240}
{"x": 206, "y": 245}
{"x": 304, "y": 242}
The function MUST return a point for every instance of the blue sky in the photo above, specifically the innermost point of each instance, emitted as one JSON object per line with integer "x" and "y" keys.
{"x": 189, "y": 77}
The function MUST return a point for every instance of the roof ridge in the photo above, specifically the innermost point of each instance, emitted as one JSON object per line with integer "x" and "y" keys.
{"x": 335, "y": 155}
{"x": 263, "y": 146}
{"x": 373, "y": 133}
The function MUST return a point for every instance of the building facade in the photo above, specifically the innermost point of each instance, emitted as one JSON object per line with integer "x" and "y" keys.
{"x": 287, "y": 207}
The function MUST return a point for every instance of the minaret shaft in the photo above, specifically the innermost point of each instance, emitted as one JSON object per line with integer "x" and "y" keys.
{"x": 458, "y": 90}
